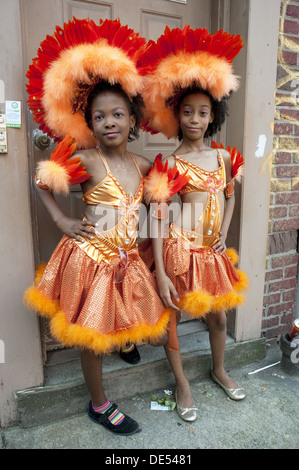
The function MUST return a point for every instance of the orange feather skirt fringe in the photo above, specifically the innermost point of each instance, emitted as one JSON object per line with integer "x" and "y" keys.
{"x": 88, "y": 309}
{"x": 205, "y": 280}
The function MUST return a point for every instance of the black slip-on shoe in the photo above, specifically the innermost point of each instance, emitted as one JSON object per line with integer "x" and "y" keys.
{"x": 127, "y": 427}
{"x": 132, "y": 357}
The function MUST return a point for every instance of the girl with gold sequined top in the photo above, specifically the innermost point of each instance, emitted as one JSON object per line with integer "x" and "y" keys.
{"x": 188, "y": 78}
{"x": 96, "y": 290}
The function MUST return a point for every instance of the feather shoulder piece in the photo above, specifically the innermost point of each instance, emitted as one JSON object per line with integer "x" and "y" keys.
{"x": 237, "y": 161}
{"x": 61, "y": 171}
{"x": 162, "y": 182}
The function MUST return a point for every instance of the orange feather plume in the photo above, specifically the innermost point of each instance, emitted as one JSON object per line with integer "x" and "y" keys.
{"x": 162, "y": 182}
{"x": 237, "y": 161}
{"x": 182, "y": 58}
{"x": 80, "y": 53}
{"x": 61, "y": 171}
{"x": 220, "y": 44}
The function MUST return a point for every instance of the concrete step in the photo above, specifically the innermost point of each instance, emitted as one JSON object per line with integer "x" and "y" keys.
{"x": 65, "y": 394}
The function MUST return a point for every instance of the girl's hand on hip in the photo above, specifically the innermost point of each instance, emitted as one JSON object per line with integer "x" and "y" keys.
{"x": 220, "y": 246}
{"x": 76, "y": 228}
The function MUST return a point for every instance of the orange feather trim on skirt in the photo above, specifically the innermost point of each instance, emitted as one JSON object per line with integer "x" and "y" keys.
{"x": 88, "y": 309}
{"x": 205, "y": 280}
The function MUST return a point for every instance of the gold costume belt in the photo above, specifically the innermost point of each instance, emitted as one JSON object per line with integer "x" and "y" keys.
{"x": 193, "y": 237}
{"x": 100, "y": 248}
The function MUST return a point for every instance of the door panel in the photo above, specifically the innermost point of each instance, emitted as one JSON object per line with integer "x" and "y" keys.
{"x": 92, "y": 10}
{"x": 149, "y": 17}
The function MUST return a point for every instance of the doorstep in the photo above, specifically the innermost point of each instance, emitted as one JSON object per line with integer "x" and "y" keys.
{"x": 65, "y": 394}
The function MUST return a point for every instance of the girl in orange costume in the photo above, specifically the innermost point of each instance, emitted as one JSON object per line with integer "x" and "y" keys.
{"x": 188, "y": 77}
{"x": 95, "y": 289}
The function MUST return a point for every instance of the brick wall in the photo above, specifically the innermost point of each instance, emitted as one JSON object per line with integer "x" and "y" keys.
{"x": 282, "y": 258}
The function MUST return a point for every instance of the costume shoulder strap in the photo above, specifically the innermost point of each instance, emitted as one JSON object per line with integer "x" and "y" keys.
{"x": 136, "y": 164}
{"x": 105, "y": 163}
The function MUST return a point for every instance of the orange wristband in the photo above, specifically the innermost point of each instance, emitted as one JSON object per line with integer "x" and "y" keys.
{"x": 229, "y": 189}
{"x": 39, "y": 183}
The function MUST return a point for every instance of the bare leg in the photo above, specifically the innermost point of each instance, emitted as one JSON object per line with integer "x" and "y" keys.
{"x": 92, "y": 371}
{"x": 217, "y": 334}
{"x": 182, "y": 384}
{"x": 175, "y": 361}
{"x": 116, "y": 421}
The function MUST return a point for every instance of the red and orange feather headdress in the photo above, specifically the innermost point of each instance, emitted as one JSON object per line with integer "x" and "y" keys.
{"x": 182, "y": 58}
{"x": 69, "y": 63}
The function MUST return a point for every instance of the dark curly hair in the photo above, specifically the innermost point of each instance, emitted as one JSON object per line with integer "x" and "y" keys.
{"x": 135, "y": 106}
{"x": 219, "y": 109}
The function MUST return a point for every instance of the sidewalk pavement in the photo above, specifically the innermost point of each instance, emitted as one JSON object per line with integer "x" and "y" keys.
{"x": 267, "y": 418}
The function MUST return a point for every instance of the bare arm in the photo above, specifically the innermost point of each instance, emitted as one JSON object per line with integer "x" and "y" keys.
{"x": 71, "y": 227}
{"x": 220, "y": 246}
{"x": 228, "y": 214}
{"x": 227, "y": 217}
{"x": 165, "y": 286}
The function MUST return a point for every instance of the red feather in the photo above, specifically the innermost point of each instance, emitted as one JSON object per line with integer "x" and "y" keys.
{"x": 173, "y": 181}
{"x": 144, "y": 126}
{"x": 61, "y": 155}
{"x": 237, "y": 160}
{"x": 220, "y": 44}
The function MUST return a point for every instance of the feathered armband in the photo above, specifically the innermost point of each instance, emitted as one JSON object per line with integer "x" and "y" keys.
{"x": 237, "y": 168}
{"x": 160, "y": 185}
{"x": 58, "y": 173}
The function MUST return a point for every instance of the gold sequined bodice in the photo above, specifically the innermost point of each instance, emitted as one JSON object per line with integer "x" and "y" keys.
{"x": 109, "y": 192}
{"x": 206, "y": 230}
{"x": 202, "y": 180}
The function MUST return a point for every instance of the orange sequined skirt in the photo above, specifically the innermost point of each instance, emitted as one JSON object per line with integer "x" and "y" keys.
{"x": 98, "y": 305}
{"x": 205, "y": 280}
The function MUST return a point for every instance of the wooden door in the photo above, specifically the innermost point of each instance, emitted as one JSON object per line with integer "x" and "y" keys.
{"x": 39, "y": 18}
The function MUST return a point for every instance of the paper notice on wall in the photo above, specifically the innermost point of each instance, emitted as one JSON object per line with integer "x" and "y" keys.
{"x": 260, "y": 151}
{"x": 13, "y": 113}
